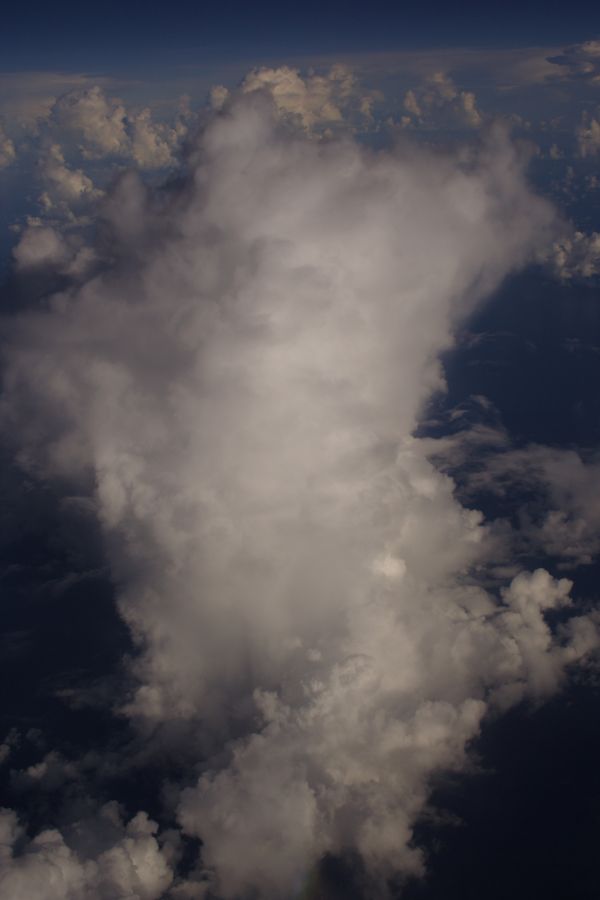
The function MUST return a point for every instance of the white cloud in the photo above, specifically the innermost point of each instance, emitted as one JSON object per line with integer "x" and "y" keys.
{"x": 576, "y": 256}
{"x": 315, "y": 100}
{"x": 580, "y": 61}
{"x": 65, "y": 188}
{"x": 242, "y": 381}
{"x": 588, "y": 136}
{"x": 7, "y": 150}
{"x": 27, "y": 98}
{"x": 95, "y": 118}
{"x": 40, "y": 245}
{"x": 438, "y": 102}
{"x": 559, "y": 515}
{"x": 132, "y": 867}
{"x": 107, "y": 129}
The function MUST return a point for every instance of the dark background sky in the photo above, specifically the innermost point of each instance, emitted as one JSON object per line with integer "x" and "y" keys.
{"x": 135, "y": 34}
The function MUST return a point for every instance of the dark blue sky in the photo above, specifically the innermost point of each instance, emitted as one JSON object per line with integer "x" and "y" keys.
{"x": 79, "y": 35}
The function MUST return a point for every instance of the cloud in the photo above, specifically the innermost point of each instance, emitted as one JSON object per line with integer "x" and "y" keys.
{"x": 132, "y": 867}
{"x": 314, "y": 100}
{"x": 98, "y": 120}
{"x": 66, "y": 189}
{"x": 7, "y": 150}
{"x": 588, "y": 136}
{"x": 27, "y": 98}
{"x": 576, "y": 256}
{"x": 439, "y": 102}
{"x": 40, "y": 246}
{"x": 559, "y": 508}
{"x": 235, "y": 388}
{"x": 107, "y": 129}
{"x": 580, "y": 61}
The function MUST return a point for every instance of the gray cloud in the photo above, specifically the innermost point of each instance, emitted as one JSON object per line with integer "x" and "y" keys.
{"x": 438, "y": 102}
{"x": 239, "y": 381}
{"x": 580, "y": 61}
{"x": 113, "y": 860}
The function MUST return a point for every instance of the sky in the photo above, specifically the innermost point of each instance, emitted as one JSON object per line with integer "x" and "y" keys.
{"x": 300, "y": 523}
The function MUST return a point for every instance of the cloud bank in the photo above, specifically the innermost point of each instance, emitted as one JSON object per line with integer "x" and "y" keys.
{"x": 236, "y": 386}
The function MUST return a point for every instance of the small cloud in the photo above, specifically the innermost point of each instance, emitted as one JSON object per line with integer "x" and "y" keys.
{"x": 314, "y": 100}
{"x": 7, "y": 150}
{"x": 580, "y": 61}
{"x": 588, "y": 135}
{"x": 439, "y": 103}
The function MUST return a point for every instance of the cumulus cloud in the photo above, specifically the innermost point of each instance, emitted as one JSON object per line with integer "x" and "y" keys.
{"x": 236, "y": 387}
{"x": 66, "y": 188}
{"x": 40, "y": 245}
{"x": 313, "y": 100}
{"x": 7, "y": 150}
{"x": 98, "y": 120}
{"x": 576, "y": 256}
{"x": 104, "y": 128}
{"x": 559, "y": 509}
{"x": 588, "y": 136}
{"x": 439, "y": 102}
{"x": 109, "y": 861}
{"x": 580, "y": 61}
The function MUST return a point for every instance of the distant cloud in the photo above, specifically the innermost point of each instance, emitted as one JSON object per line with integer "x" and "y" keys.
{"x": 440, "y": 103}
{"x": 559, "y": 514}
{"x": 105, "y": 128}
{"x": 41, "y": 246}
{"x": 7, "y": 150}
{"x": 112, "y": 860}
{"x": 65, "y": 189}
{"x": 26, "y": 98}
{"x": 314, "y": 100}
{"x": 588, "y": 135}
{"x": 576, "y": 256}
{"x": 580, "y": 61}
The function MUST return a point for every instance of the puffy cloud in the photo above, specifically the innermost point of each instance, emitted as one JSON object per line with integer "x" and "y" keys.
{"x": 7, "y": 150}
{"x": 27, "y": 98}
{"x": 152, "y": 144}
{"x": 105, "y": 128}
{"x": 559, "y": 513}
{"x": 580, "y": 61}
{"x": 439, "y": 102}
{"x": 97, "y": 119}
{"x": 588, "y": 136}
{"x": 315, "y": 100}
{"x": 40, "y": 245}
{"x": 576, "y": 256}
{"x": 64, "y": 187}
{"x": 239, "y": 381}
{"x": 132, "y": 867}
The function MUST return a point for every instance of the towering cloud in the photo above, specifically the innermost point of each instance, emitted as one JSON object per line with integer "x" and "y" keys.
{"x": 236, "y": 387}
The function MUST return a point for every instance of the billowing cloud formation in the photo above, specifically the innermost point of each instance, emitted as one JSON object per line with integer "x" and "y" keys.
{"x": 237, "y": 387}
{"x": 581, "y": 61}
{"x": 439, "y": 102}
{"x": 588, "y": 136}
{"x": 314, "y": 101}
{"x": 43, "y": 246}
{"x": 576, "y": 256}
{"x": 106, "y": 128}
{"x": 560, "y": 513}
{"x": 65, "y": 188}
{"x": 7, "y": 150}
{"x": 108, "y": 861}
